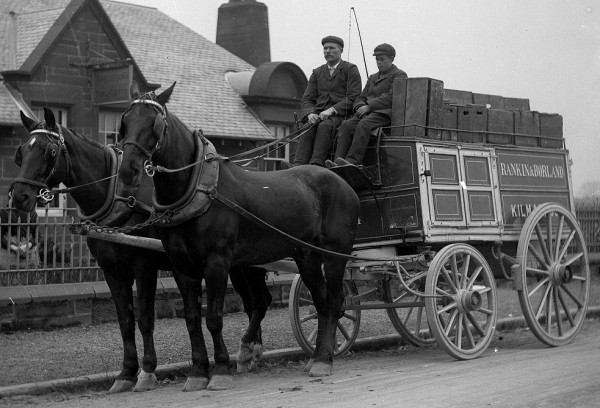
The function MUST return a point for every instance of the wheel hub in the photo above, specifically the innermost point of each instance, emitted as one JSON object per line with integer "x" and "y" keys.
{"x": 561, "y": 274}
{"x": 468, "y": 300}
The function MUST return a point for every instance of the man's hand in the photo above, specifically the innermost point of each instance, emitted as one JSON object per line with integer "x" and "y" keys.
{"x": 326, "y": 113}
{"x": 363, "y": 110}
{"x": 313, "y": 118}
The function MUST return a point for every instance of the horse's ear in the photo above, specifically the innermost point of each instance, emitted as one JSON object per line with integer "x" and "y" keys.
{"x": 19, "y": 155}
{"x": 163, "y": 98}
{"x": 29, "y": 123}
{"x": 49, "y": 118}
{"x": 134, "y": 90}
{"x": 159, "y": 125}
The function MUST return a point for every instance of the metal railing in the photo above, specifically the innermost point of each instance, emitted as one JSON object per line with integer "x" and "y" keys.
{"x": 43, "y": 250}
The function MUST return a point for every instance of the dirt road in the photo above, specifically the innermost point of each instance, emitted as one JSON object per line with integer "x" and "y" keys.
{"x": 516, "y": 371}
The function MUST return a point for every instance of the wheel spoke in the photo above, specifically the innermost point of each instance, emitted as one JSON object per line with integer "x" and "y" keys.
{"x": 557, "y": 311}
{"x": 311, "y": 316}
{"x": 485, "y": 311}
{"x": 539, "y": 285}
{"x": 572, "y": 296}
{"x": 537, "y": 256}
{"x": 446, "y": 308}
{"x": 459, "y": 327}
{"x": 448, "y": 280}
{"x": 343, "y": 330}
{"x": 565, "y": 307}
{"x": 535, "y": 271}
{"x": 439, "y": 291}
{"x": 313, "y": 335}
{"x": 549, "y": 312}
{"x": 567, "y": 243}
{"x": 543, "y": 243}
{"x": 465, "y": 271}
{"x": 550, "y": 236}
{"x": 419, "y": 321}
{"x": 542, "y": 302}
{"x": 305, "y": 301}
{"x": 476, "y": 325}
{"x": 559, "y": 235}
{"x": 450, "y": 322}
{"x": 573, "y": 259}
{"x": 469, "y": 334}
{"x": 475, "y": 275}
{"x": 454, "y": 267}
{"x": 349, "y": 316}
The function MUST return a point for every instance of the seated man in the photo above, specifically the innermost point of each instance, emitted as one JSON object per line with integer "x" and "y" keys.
{"x": 327, "y": 100}
{"x": 372, "y": 109}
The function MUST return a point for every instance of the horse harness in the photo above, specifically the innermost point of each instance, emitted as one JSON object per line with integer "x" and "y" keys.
{"x": 56, "y": 143}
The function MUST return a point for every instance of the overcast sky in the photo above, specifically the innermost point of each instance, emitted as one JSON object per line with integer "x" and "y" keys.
{"x": 544, "y": 50}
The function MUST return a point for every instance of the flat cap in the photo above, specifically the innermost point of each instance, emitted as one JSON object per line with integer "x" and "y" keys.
{"x": 385, "y": 49}
{"x": 334, "y": 39}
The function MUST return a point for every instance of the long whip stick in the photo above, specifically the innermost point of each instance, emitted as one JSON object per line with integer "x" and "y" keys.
{"x": 360, "y": 38}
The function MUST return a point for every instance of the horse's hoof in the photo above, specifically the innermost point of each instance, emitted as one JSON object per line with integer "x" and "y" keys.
{"x": 121, "y": 386}
{"x": 248, "y": 356}
{"x": 220, "y": 382}
{"x": 195, "y": 384}
{"x": 320, "y": 369}
{"x": 309, "y": 365}
{"x": 145, "y": 382}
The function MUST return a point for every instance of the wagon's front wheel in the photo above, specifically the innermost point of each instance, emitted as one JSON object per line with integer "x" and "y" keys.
{"x": 462, "y": 315}
{"x": 303, "y": 318}
{"x": 409, "y": 318}
{"x": 553, "y": 274}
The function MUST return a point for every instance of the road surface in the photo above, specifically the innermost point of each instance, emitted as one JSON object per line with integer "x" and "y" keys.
{"x": 516, "y": 371}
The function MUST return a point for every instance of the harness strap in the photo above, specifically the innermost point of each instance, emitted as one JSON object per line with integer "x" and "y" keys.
{"x": 213, "y": 193}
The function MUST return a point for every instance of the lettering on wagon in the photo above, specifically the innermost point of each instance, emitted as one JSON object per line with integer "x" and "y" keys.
{"x": 521, "y": 210}
{"x": 532, "y": 170}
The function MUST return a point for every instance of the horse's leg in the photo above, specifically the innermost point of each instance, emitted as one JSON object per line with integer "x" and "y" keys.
{"x": 191, "y": 293}
{"x": 120, "y": 284}
{"x": 250, "y": 284}
{"x": 146, "y": 273}
{"x": 334, "y": 277}
{"x": 216, "y": 274}
{"x": 309, "y": 266}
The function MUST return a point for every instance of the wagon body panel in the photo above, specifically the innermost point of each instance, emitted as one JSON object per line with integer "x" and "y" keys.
{"x": 439, "y": 192}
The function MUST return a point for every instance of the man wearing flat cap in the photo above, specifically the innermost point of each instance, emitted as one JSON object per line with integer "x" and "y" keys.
{"x": 372, "y": 109}
{"x": 327, "y": 101}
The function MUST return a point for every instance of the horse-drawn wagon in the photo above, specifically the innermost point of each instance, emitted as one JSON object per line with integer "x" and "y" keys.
{"x": 459, "y": 207}
{"x": 438, "y": 200}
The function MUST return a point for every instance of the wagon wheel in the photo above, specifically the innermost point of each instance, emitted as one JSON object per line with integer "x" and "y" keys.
{"x": 463, "y": 317}
{"x": 303, "y": 318}
{"x": 553, "y": 280}
{"x": 410, "y": 320}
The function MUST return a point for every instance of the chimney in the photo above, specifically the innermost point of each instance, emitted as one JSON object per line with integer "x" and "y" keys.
{"x": 243, "y": 30}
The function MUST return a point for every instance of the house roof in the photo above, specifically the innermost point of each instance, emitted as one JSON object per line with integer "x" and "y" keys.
{"x": 202, "y": 97}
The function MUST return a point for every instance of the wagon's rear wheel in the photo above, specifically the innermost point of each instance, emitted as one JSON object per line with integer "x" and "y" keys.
{"x": 554, "y": 276}
{"x": 463, "y": 317}
{"x": 410, "y": 320}
{"x": 303, "y": 318}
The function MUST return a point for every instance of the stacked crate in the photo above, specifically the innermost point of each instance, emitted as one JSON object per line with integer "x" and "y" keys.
{"x": 423, "y": 108}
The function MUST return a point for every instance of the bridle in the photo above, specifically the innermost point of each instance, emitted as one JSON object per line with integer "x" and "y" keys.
{"x": 57, "y": 139}
{"x": 160, "y": 123}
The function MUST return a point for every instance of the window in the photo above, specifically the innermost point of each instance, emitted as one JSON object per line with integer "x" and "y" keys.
{"x": 279, "y": 151}
{"x": 108, "y": 127}
{"x": 57, "y": 206}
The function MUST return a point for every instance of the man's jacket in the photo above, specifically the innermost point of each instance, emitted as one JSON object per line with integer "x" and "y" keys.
{"x": 338, "y": 90}
{"x": 378, "y": 91}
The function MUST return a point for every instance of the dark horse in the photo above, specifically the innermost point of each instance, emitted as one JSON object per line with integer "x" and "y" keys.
{"x": 54, "y": 155}
{"x": 214, "y": 233}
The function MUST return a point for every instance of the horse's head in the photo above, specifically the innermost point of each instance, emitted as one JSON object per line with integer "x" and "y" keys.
{"x": 41, "y": 161}
{"x": 142, "y": 131}
{"x": 143, "y": 128}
